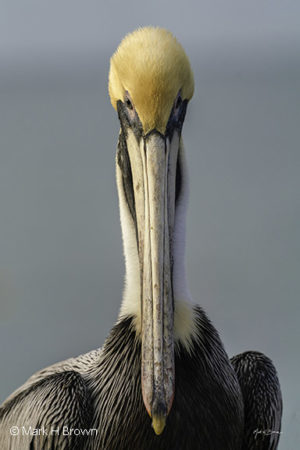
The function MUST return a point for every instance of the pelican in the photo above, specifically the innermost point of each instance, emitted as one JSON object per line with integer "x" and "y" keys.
{"x": 162, "y": 379}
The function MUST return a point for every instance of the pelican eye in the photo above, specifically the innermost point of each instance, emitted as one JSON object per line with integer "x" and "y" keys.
{"x": 128, "y": 103}
{"x": 178, "y": 102}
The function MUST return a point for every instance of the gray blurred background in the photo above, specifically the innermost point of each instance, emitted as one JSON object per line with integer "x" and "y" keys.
{"x": 61, "y": 263}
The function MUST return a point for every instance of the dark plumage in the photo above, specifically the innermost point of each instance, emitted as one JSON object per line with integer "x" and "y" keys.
{"x": 207, "y": 411}
{"x": 102, "y": 391}
{"x": 262, "y": 399}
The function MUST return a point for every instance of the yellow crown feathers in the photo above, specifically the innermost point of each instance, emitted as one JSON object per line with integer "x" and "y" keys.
{"x": 152, "y": 67}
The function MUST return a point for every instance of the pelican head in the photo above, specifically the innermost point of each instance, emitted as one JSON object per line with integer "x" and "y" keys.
{"x": 150, "y": 84}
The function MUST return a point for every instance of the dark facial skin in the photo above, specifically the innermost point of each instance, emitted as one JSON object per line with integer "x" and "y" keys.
{"x": 129, "y": 118}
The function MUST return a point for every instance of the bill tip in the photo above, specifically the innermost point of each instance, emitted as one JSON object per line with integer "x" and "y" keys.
{"x": 158, "y": 423}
